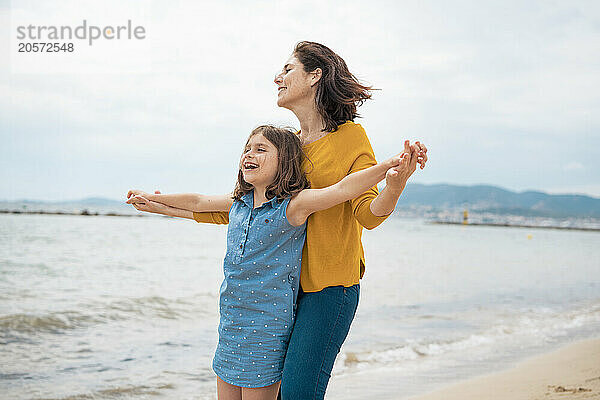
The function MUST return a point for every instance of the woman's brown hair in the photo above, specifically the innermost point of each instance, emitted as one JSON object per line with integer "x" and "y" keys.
{"x": 338, "y": 93}
{"x": 290, "y": 178}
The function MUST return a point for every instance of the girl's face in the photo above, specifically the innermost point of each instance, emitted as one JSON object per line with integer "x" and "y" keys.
{"x": 259, "y": 161}
{"x": 294, "y": 86}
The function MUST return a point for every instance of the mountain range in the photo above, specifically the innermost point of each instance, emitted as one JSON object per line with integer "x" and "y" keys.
{"x": 493, "y": 199}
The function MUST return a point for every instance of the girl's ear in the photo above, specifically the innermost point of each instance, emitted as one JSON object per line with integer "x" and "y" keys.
{"x": 316, "y": 76}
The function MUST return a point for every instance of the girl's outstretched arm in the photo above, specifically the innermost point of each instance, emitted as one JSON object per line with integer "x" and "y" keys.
{"x": 143, "y": 204}
{"x": 309, "y": 201}
{"x": 185, "y": 201}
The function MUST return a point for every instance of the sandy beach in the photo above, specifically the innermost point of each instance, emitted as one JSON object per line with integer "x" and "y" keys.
{"x": 572, "y": 372}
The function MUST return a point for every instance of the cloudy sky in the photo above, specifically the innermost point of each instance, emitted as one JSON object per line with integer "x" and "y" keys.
{"x": 502, "y": 92}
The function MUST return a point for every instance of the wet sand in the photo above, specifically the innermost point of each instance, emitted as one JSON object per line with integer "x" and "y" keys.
{"x": 572, "y": 372}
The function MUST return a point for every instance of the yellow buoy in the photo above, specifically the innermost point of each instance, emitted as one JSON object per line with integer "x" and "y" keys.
{"x": 530, "y": 236}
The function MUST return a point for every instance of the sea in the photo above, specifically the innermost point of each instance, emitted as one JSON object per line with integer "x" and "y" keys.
{"x": 109, "y": 307}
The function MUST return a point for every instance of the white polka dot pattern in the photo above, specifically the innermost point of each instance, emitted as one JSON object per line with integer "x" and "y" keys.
{"x": 256, "y": 304}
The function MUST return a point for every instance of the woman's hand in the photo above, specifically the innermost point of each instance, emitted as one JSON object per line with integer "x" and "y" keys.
{"x": 136, "y": 192}
{"x": 143, "y": 204}
{"x": 396, "y": 177}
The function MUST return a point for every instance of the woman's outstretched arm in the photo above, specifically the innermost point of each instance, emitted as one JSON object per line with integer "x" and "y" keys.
{"x": 185, "y": 201}
{"x": 143, "y": 204}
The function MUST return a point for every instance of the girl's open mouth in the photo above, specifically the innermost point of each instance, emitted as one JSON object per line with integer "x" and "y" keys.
{"x": 250, "y": 166}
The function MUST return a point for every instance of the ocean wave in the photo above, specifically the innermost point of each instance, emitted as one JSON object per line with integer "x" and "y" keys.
{"x": 13, "y": 267}
{"x": 541, "y": 326}
{"x": 96, "y": 312}
{"x": 118, "y": 393}
{"x": 49, "y": 323}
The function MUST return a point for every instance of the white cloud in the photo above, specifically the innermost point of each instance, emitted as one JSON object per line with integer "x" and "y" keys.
{"x": 573, "y": 166}
{"x": 495, "y": 89}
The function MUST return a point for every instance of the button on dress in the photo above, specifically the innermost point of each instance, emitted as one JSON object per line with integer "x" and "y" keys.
{"x": 258, "y": 295}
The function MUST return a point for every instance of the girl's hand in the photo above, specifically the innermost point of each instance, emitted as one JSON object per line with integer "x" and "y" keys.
{"x": 421, "y": 153}
{"x": 136, "y": 192}
{"x": 143, "y": 204}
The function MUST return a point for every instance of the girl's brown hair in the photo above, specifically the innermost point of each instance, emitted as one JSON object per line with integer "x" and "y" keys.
{"x": 338, "y": 93}
{"x": 290, "y": 178}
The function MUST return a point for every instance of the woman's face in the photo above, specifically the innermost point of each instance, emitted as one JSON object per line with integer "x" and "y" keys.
{"x": 259, "y": 161}
{"x": 294, "y": 86}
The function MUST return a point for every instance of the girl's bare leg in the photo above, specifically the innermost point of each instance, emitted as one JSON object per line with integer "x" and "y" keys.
{"x": 226, "y": 391}
{"x": 263, "y": 393}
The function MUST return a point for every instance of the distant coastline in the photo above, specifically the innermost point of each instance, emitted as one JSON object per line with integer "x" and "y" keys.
{"x": 85, "y": 212}
{"x": 507, "y": 225}
{"x": 484, "y": 205}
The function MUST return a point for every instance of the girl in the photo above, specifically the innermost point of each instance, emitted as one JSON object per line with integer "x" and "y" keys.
{"x": 267, "y": 215}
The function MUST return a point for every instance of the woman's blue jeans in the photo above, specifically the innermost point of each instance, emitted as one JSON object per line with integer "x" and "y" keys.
{"x": 322, "y": 322}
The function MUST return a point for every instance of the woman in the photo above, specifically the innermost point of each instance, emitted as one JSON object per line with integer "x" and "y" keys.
{"x": 316, "y": 85}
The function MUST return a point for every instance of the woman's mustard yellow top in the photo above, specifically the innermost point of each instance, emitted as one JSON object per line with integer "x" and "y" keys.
{"x": 333, "y": 254}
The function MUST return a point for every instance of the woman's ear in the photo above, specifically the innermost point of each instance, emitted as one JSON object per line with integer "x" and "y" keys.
{"x": 316, "y": 76}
